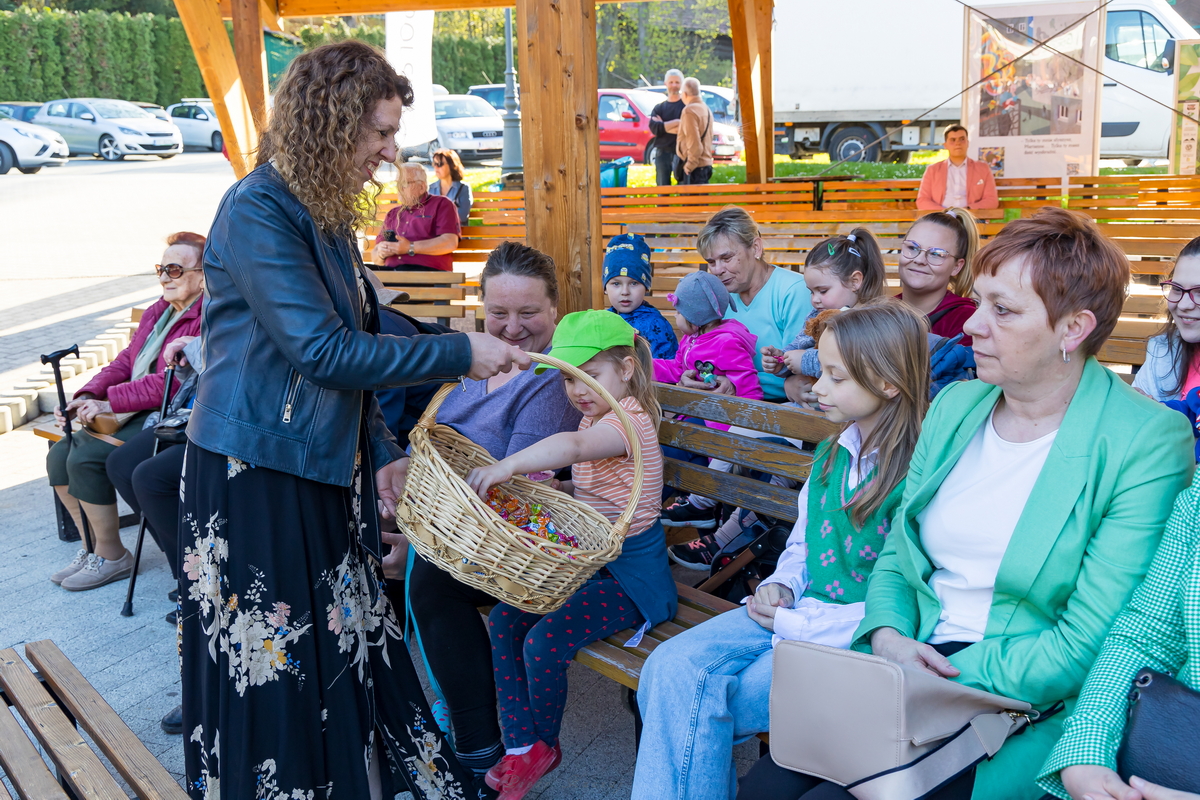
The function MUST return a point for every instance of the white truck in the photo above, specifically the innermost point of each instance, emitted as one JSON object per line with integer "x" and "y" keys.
{"x": 848, "y": 73}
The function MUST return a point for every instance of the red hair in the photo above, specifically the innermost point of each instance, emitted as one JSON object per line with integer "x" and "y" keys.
{"x": 190, "y": 239}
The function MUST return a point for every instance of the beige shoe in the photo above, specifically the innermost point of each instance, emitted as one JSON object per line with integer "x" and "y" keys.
{"x": 70, "y": 569}
{"x": 98, "y": 572}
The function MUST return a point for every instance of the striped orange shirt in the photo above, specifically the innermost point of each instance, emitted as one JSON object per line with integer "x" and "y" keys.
{"x": 606, "y": 484}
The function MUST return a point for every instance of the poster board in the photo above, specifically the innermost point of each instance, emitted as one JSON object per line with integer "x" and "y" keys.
{"x": 410, "y": 51}
{"x": 1187, "y": 100}
{"x": 1039, "y": 115}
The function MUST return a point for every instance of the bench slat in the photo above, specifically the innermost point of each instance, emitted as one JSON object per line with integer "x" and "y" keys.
{"x": 793, "y": 423}
{"x": 401, "y": 278}
{"x": 4, "y": 795}
{"x": 136, "y": 764}
{"x": 430, "y": 310}
{"x": 22, "y": 764}
{"x": 703, "y": 600}
{"x": 735, "y": 490}
{"x": 774, "y": 459}
{"x": 614, "y": 663}
{"x": 75, "y": 760}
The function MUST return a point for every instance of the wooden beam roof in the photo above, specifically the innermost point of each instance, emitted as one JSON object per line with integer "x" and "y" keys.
{"x": 336, "y": 8}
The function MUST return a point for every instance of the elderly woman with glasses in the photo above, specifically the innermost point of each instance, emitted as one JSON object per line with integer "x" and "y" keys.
{"x": 132, "y": 383}
{"x": 449, "y": 184}
{"x": 1172, "y": 366}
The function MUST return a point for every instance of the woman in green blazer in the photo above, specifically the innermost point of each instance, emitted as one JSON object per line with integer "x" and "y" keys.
{"x": 1035, "y": 499}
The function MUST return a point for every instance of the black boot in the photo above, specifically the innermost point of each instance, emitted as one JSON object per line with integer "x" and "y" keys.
{"x": 173, "y": 721}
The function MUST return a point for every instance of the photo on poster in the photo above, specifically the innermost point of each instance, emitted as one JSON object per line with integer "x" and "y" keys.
{"x": 994, "y": 158}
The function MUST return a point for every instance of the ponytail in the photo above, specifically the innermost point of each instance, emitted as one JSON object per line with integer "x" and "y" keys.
{"x": 845, "y": 255}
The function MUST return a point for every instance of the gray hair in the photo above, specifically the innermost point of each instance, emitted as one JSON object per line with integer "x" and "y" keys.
{"x": 410, "y": 166}
{"x": 691, "y": 87}
{"x": 731, "y": 221}
{"x": 673, "y": 73}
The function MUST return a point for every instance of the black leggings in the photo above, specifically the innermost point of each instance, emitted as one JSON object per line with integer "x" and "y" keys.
{"x": 458, "y": 651}
{"x": 151, "y": 486}
{"x": 766, "y": 780}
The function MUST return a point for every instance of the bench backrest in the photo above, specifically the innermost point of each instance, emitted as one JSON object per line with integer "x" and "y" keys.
{"x": 1020, "y": 193}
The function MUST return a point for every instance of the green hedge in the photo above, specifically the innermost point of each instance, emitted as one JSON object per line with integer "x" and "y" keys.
{"x": 48, "y": 54}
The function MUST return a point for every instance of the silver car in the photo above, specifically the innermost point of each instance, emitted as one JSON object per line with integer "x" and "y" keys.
{"x": 197, "y": 121}
{"x": 28, "y": 147}
{"x": 111, "y": 129}
{"x": 467, "y": 123}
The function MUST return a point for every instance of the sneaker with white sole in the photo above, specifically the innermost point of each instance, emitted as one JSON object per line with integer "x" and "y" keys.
{"x": 99, "y": 572}
{"x": 686, "y": 515}
{"x": 697, "y": 555}
{"x": 70, "y": 569}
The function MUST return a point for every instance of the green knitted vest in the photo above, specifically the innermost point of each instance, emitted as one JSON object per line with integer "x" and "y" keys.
{"x": 840, "y": 556}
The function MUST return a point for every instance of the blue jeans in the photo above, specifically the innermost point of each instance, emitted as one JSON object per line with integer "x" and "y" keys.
{"x": 700, "y": 692}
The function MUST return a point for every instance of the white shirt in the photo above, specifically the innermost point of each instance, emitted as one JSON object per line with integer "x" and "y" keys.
{"x": 810, "y": 619}
{"x": 956, "y": 185}
{"x": 966, "y": 528}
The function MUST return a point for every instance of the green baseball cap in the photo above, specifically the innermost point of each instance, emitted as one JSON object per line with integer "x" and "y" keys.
{"x": 580, "y": 336}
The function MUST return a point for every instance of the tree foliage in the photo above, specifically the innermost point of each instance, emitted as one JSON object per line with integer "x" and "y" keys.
{"x": 49, "y": 53}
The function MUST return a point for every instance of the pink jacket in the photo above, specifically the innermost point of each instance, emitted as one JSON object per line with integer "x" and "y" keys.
{"x": 113, "y": 384}
{"x": 981, "y": 186}
{"x": 729, "y": 346}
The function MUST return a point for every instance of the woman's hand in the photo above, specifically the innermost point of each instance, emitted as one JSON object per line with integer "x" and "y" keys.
{"x": 481, "y": 479}
{"x": 889, "y": 643}
{"x": 394, "y": 561}
{"x": 60, "y": 418}
{"x": 767, "y": 601}
{"x": 1096, "y": 782}
{"x": 1152, "y": 791}
{"x": 771, "y": 359}
{"x": 798, "y": 389}
{"x": 88, "y": 409}
{"x": 490, "y": 356}
{"x": 389, "y": 484}
{"x": 173, "y": 352}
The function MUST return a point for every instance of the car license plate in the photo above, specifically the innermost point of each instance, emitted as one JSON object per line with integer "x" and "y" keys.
{"x": 725, "y": 150}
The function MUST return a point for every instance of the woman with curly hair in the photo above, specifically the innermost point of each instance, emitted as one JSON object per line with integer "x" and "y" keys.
{"x": 296, "y": 680}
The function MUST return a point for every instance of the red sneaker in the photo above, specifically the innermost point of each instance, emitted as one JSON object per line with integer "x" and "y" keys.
{"x": 514, "y": 776}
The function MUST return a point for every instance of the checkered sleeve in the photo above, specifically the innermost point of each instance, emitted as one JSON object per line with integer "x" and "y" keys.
{"x": 1148, "y": 633}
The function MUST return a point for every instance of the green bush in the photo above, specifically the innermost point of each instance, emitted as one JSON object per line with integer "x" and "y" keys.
{"x": 47, "y": 54}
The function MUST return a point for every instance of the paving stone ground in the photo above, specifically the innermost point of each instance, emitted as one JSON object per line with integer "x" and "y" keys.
{"x": 76, "y": 248}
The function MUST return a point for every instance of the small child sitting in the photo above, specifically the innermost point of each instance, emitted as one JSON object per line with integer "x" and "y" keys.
{"x": 711, "y": 346}
{"x": 627, "y": 277}
{"x": 840, "y": 272}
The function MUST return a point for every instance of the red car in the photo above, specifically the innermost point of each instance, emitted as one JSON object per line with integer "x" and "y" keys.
{"x": 625, "y": 128}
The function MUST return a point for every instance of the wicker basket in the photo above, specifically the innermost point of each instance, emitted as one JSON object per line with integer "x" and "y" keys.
{"x": 452, "y": 528}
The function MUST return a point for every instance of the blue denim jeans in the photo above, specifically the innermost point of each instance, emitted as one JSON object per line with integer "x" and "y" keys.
{"x": 700, "y": 692}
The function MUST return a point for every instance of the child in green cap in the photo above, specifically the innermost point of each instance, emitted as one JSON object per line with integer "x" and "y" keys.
{"x": 531, "y": 652}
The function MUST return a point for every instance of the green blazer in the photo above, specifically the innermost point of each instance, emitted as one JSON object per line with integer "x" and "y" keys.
{"x": 1081, "y": 546}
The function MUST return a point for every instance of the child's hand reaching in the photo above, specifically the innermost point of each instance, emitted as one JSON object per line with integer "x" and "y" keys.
{"x": 769, "y": 598}
{"x": 771, "y": 359}
{"x": 481, "y": 479}
{"x": 791, "y": 359}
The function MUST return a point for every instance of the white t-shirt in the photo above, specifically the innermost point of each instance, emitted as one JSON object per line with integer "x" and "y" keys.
{"x": 956, "y": 185}
{"x": 966, "y": 528}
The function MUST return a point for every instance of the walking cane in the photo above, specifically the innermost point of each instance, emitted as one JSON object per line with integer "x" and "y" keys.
{"x": 127, "y": 609}
{"x": 53, "y": 360}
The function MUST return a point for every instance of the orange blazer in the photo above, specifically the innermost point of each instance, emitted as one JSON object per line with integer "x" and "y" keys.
{"x": 981, "y": 186}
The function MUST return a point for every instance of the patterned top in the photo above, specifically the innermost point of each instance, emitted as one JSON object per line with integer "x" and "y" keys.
{"x": 606, "y": 484}
{"x": 1159, "y": 629}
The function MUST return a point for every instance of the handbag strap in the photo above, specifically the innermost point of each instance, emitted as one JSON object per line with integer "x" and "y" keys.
{"x": 979, "y": 739}
{"x": 104, "y": 437}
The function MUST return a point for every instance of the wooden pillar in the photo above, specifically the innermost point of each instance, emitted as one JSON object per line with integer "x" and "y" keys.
{"x": 561, "y": 143}
{"x": 250, "y": 55}
{"x": 750, "y": 24}
{"x": 206, "y": 32}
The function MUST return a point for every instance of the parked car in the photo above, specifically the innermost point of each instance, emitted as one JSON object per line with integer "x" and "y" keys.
{"x": 624, "y": 117}
{"x": 111, "y": 129}
{"x": 197, "y": 121}
{"x": 22, "y": 110}
{"x": 493, "y": 93}
{"x": 469, "y": 125}
{"x": 721, "y": 101}
{"x": 28, "y": 147}
{"x": 155, "y": 109}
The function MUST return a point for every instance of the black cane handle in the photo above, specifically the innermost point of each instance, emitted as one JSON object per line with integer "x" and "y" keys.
{"x": 59, "y": 355}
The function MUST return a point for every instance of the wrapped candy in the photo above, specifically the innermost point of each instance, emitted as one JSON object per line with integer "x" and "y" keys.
{"x": 532, "y": 518}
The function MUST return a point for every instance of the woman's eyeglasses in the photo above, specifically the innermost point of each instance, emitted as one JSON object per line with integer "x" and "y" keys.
{"x": 934, "y": 256}
{"x": 174, "y": 271}
{"x": 1174, "y": 292}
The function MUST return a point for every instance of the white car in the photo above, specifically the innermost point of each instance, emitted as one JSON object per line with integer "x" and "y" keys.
{"x": 112, "y": 129}
{"x": 469, "y": 125}
{"x": 29, "y": 147}
{"x": 197, "y": 121}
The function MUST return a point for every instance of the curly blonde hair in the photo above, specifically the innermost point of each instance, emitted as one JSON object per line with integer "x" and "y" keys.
{"x": 322, "y": 104}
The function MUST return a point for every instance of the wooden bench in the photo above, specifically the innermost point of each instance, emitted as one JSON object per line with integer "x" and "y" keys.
{"x": 1128, "y": 198}
{"x": 1014, "y": 193}
{"x": 430, "y": 294}
{"x": 54, "y": 707}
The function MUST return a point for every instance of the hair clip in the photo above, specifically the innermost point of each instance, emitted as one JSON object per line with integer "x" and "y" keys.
{"x": 854, "y": 252}
{"x": 832, "y": 248}
{"x": 673, "y": 298}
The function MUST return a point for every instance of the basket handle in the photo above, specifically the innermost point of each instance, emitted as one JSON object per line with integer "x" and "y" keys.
{"x": 429, "y": 419}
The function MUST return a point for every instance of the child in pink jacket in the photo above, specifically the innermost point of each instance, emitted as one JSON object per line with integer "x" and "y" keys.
{"x": 711, "y": 345}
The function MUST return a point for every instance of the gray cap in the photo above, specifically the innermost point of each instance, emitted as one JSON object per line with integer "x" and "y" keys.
{"x": 701, "y": 298}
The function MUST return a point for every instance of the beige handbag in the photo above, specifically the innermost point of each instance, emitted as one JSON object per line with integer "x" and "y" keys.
{"x": 882, "y": 730}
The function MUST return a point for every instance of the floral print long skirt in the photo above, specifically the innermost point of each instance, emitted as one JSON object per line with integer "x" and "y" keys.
{"x": 295, "y": 673}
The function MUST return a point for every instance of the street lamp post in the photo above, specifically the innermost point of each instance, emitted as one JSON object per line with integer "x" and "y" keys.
{"x": 510, "y": 157}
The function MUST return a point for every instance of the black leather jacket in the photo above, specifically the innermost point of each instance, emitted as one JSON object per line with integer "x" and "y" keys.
{"x": 286, "y": 358}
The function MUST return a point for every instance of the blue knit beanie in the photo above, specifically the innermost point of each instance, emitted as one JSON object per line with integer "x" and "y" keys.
{"x": 628, "y": 256}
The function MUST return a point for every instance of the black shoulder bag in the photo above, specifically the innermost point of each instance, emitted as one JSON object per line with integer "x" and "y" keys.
{"x": 1161, "y": 733}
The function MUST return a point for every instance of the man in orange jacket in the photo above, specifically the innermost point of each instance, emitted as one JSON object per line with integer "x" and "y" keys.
{"x": 957, "y": 182}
